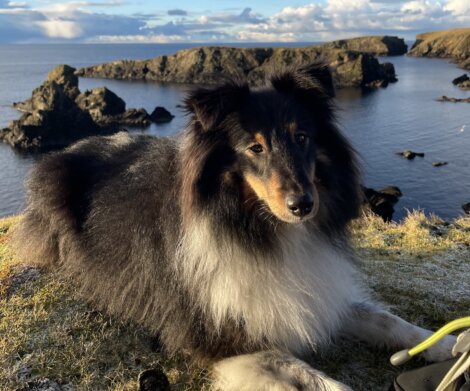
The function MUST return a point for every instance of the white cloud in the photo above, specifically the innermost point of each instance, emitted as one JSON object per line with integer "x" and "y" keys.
{"x": 18, "y": 4}
{"x": 65, "y": 29}
{"x": 152, "y": 38}
{"x": 331, "y": 19}
{"x": 349, "y": 6}
{"x": 266, "y": 37}
{"x": 459, "y": 8}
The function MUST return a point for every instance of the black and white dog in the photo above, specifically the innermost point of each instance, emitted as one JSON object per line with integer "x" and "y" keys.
{"x": 228, "y": 241}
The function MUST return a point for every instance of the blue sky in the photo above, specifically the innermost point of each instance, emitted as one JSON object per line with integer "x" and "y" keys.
{"x": 146, "y": 21}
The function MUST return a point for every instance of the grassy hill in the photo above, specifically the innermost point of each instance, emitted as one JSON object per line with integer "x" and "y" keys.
{"x": 420, "y": 268}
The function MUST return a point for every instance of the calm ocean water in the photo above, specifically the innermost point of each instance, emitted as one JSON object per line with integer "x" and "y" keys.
{"x": 379, "y": 123}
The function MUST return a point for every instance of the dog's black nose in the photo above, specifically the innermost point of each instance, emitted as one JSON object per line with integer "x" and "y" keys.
{"x": 300, "y": 205}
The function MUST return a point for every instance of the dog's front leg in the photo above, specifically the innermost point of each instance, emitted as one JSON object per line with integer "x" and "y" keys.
{"x": 377, "y": 326}
{"x": 270, "y": 371}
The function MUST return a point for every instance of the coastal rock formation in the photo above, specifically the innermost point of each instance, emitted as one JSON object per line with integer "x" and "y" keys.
{"x": 376, "y": 45}
{"x": 209, "y": 65}
{"x": 462, "y": 82}
{"x": 410, "y": 155}
{"x": 161, "y": 115}
{"x": 466, "y": 208}
{"x": 58, "y": 114}
{"x": 51, "y": 117}
{"x": 382, "y": 202}
{"x": 454, "y": 43}
{"x": 439, "y": 164}
{"x": 445, "y": 98}
{"x": 107, "y": 109}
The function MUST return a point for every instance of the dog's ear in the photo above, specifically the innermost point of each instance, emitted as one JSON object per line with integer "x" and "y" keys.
{"x": 210, "y": 106}
{"x": 315, "y": 77}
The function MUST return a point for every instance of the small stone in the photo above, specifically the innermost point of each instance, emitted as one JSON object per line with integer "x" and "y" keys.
{"x": 439, "y": 164}
{"x": 460, "y": 79}
{"x": 161, "y": 115}
{"x": 410, "y": 155}
{"x": 153, "y": 380}
{"x": 466, "y": 208}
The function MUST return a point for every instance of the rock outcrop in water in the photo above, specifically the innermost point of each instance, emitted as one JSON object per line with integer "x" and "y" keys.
{"x": 208, "y": 65}
{"x": 51, "y": 117}
{"x": 466, "y": 208}
{"x": 382, "y": 202}
{"x": 445, "y": 98}
{"x": 410, "y": 155}
{"x": 462, "y": 82}
{"x": 58, "y": 114}
{"x": 453, "y": 44}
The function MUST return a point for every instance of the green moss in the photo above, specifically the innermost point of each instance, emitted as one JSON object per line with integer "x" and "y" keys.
{"x": 419, "y": 268}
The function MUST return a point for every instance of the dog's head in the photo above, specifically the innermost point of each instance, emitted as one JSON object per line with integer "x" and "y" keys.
{"x": 277, "y": 145}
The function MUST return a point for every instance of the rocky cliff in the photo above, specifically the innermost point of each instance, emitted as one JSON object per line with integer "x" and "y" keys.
{"x": 207, "y": 65}
{"x": 58, "y": 114}
{"x": 453, "y": 44}
{"x": 377, "y": 45}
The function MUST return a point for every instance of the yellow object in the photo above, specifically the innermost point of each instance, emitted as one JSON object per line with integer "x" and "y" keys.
{"x": 404, "y": 355}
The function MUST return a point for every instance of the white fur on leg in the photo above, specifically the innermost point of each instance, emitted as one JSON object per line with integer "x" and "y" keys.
{"x": 379, "y": 327}
{"x": 270, "y": 371}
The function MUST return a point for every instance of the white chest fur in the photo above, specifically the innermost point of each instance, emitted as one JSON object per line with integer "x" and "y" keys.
{"x": 294, "y": 301}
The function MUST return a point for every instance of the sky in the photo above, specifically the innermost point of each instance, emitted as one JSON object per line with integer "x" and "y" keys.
{"x": 165, "y": 21}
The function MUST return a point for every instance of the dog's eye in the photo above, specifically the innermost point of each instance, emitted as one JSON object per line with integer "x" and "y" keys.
{"x": 256, "y": 148}
{"x": 301, "y": 138}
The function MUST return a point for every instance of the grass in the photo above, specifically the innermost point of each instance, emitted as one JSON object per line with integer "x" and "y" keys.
{"x": 420, "y": 268}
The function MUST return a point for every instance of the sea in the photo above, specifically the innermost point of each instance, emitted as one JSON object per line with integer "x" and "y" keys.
{"x": 379, "y": 122}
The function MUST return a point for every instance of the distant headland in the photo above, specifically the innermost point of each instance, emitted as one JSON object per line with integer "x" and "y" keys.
{"x": 352, "y": 60}
{"x": 454, "y": 44}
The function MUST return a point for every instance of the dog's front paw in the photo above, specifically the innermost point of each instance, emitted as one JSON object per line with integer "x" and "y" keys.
{"x": 271, "y": 371}
{"x": 441, "y": 351}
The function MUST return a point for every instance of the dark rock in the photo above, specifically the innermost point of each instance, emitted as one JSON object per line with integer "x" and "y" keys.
{"x": 410, "y": 155}
{"x": 57, "y": 114}
{"x": 107, "y": 109}
{"x": 101, "y": 102}
{"x": 208, "y": 65}
{"x": 462, "y": 82}
{"x": 153, "y": 380}
{"x": 161, "y": 115}
{"x": 376, "y": 45}
{"x": 466, "y": 208}
{"x": 382, "y": 202}
{"x": 452, "y": 44}
{"x": 439, "y": 164}
{"x": 53, "y": 120}
{"x": 444, "y": 98}
{"x": 64, "y": 75}
{"x": 61, "y": 78}
{"x": 393, "y": 191}
{"x": 460, "y": 79}
{"x": 131, "y": 117}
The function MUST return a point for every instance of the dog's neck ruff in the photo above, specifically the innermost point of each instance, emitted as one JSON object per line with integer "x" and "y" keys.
{"x": 292, "y": 299}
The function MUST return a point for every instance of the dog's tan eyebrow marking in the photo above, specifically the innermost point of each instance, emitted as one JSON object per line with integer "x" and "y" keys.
{"x": 259, "y": 137}
{"x": 292, "y": 127}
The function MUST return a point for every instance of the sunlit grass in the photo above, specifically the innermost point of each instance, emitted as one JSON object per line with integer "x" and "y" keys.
{"x": 421, "y": 268}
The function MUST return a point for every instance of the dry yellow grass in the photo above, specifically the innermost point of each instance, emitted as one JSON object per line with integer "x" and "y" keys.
{"x": 444, "y": 33}
{"x": 421, "y": 268}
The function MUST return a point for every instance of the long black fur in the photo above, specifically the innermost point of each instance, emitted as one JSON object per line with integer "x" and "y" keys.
{"x": 110, "y": 211}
